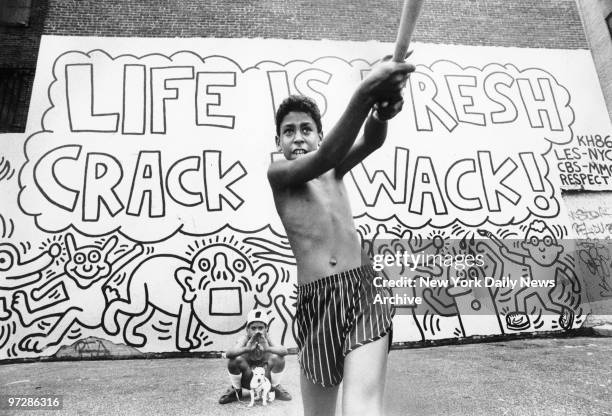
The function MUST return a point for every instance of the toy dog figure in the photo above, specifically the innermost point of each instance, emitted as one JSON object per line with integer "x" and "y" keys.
{"x": 260, "y": 386}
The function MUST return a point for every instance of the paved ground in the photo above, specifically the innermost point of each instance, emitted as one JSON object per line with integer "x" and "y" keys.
{"x": 569, "y": 376}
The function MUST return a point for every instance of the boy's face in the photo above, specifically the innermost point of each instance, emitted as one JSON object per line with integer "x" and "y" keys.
{"x": 256, "y": 328}
{"x": 298, "y": 135}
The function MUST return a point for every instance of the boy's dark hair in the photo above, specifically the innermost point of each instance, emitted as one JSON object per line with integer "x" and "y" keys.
{"x": 301, "y": 104}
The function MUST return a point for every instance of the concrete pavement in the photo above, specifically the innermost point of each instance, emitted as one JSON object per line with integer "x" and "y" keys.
{"x": 549, "y": 376}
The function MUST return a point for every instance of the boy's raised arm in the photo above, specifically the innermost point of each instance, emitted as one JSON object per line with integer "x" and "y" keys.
{"x": 374, "y": 135}
{"x": 385, "y": 81}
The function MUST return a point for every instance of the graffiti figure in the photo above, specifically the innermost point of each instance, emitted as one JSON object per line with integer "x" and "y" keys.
{"x": 285, "y": 293}
{"x": 597, "y": 259}
{"x": 541, "y": 258}
{"x": 436, "y": 302}
{"x": 218, "y": 287}
{"x": 85, "y": 278}
{"x": 475, "y": 305}
{"x": 15, "y": 274}
{"x": 91, "y": 348}
{"x": 284, "y": 307}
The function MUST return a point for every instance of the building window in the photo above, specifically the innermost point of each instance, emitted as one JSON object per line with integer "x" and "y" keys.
{"x": 15, "y": 12}
{"x": 15, "y": 91}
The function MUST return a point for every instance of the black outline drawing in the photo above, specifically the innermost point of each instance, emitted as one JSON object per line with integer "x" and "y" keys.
{"x": 87, "y": 291}
{"x": 130, "y": 106}
{"x": 542, "y": 254}
{"x": 181, "y": 288}
{"x": 175, "y": 95}
{"x": 82, "y": 87}
{"x": 210, "y": 91}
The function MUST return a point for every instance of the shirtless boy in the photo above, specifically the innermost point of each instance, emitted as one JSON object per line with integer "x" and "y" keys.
{"x": 342, "y": 334}
{"x": 255, "y": 349}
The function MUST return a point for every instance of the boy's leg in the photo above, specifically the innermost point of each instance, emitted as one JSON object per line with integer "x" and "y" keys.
{"x": 237, "y": 368}
{"x": 365, "y": 370}
{"x": 275, "y": 372}
{"x": 238, "y": 371}
{"x": 276, "y": 365}
{"x": 318, "y": 400}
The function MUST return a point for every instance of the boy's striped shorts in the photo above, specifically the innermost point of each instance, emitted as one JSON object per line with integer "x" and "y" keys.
{"x": 335, "y": 315}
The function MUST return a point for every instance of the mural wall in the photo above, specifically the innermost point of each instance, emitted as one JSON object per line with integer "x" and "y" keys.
{"x": 136, "y": 208}
{"x": 591, "y": 219}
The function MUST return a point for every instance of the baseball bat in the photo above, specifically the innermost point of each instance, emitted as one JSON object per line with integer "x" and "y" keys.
{"x": 410, "y": 14}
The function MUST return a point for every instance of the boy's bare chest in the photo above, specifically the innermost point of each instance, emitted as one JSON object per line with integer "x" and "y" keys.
{"x": 319, "y": 198}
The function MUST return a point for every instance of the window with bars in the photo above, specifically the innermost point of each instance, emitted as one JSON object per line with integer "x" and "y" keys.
{"x": 15, "y": 91}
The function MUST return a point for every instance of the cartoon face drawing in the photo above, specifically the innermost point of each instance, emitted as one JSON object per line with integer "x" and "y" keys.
{"x": 217, "y": 287}
{"x": 87, "y": 273}
{"x": 88, "y": 264}
{"x": 15, "y": 273}
{"x": 225, "y": 286}
{"x": 541, "y": 244}
{"x": 223, "y": 283}
{"x": 8, "y": 256}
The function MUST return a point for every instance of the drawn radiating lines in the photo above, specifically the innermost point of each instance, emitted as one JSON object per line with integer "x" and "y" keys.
{"x": 6, "y": 170}
{"x": 7, "y": 227}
